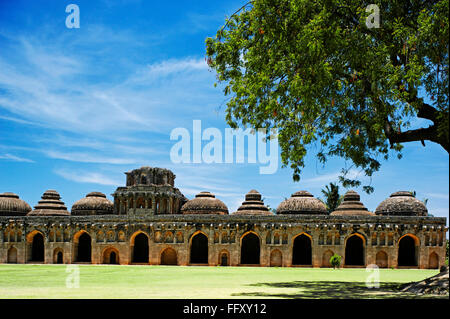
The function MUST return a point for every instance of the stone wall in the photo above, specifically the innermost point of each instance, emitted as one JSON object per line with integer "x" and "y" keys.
{"x": 328, "y": 234}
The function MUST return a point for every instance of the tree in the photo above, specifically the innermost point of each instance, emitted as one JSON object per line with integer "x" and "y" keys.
{"x": 335, "y": 261}
{"x": 316, "y": 72}
{"x": 332, "y": 197}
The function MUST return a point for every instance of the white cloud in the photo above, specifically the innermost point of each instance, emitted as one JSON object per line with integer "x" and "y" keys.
{"x": 89, "y": 158}
{"x": 87, "y": 177}
{"x": 14, "y": 158}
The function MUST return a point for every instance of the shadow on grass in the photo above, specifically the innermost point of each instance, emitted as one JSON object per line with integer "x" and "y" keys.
{"x": 334, "y": 290}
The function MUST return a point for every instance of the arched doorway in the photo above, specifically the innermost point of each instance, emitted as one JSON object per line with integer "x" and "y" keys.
{"x": 354, "y": 251}
{"x": 12, "y": 256}
{"x": 407, "y": 252}
{"x": 140, "y": 248}
{"x": 250, "y": 249}
{"x": 433, "y": 261}
{"x": 301, "y": 250}
{"x": 276, "y": 258}
{"x": 381, "y": 259}
{"x": 326, "y": 258}
{"x": 57, "y": 256}
{"x": 111, "y": 256}
{"x": 199, "y": 249}
{"x": 84, "y": 248}
{"x": 223, "y": 259}
{"x": 169, "y": 257}
{"x": 37, "y": 248}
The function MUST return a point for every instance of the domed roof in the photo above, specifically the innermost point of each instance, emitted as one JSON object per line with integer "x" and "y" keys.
{"x": 402, "y": 203}
{"x": 351, "y": 206}
{"x": 205, "y": 203}
{"x": 302, "y": 202}
{"x": 11, "y": 205}
{"x": 253, "y": 205}
{"x": 95, "y": 203}
{"x": 50, "y": 205}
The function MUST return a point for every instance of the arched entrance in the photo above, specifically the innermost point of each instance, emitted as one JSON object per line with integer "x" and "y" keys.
{"x": 111, "y": 256}
{"x": 199, "y": 249}
{"x": 37, "y": 248}
{"x": 169, "y": 257}
{"x": 84, "y": 248}
{"x": 354, "y": 251}
{"x": 433, "y": 261}
{"x": 407, "y": 252}
{"x": 12, "y": 256}
{"x": 223, "y": 259}
{"x": 381, "y": 259}
{"x": 250, "y": 249}
{"x": 140, "y": 248}
{"x": 301, "y": 250}
{"x": 276, "y": 258}
{"x": 326, "y": 258}
{"x": 58, "y": 256}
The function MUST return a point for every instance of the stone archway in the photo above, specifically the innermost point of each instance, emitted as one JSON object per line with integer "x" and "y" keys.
{"x": 224, "y": 258}
{"x": 250, "y": 249}
{"x": 326, "y": 258}
{"x": 12, "y": 255}
{"x": 37, "y": 248}
{"x": 407, "y": 251}
{"x": 83, "y": 247}
{"x": 169, "y": 257}
{"x": 302, "y": 250}
{"x": 111, "y": 256}
{"x": 140, "y": 248}
{"x": 354, "y": 251}
{"x": 433, "y": 261}
{"x": 199, "y": 249}
{"x": 276, "y": 258}
{"x": 381, "y": 259}
{"x": 58, "y": 256}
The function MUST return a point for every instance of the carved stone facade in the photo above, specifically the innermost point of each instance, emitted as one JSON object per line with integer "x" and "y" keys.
{"x": 146, "y": 231}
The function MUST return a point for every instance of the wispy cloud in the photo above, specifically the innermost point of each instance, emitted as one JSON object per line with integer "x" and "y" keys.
{"x": 14, "y": 158}
{"x": 87, "y": 177}
{"x": 89, "y": 158}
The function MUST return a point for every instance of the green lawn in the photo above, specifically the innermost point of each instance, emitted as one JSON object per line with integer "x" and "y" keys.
{"x": 102, "y": 281}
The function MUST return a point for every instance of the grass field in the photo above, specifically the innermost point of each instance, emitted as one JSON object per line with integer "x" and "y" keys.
{"x": 162, "y": 282}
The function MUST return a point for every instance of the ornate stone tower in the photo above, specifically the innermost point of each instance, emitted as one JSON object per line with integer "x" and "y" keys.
{"x": 148, "y": 191}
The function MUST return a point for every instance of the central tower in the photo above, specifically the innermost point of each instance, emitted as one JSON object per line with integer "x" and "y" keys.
{"x": 148, "y": 191}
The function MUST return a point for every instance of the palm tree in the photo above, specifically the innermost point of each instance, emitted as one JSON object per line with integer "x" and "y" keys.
{"x": 332, "y": 197}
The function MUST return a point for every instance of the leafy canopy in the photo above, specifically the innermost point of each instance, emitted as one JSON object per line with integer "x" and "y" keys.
{"x": 330, "y": 84}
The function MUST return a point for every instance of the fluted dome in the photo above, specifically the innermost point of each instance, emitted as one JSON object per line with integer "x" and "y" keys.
{"x": 351, "y": 206}
{"x": 50, "y": 205}
{"x": 205, "y": 203}
{"x": 302, "y": 202}
{"x": 94, "y": 203}
{"x": 253, "y": 205}
{"x": 11, "y": 205}
{"x": 401, "y": 204}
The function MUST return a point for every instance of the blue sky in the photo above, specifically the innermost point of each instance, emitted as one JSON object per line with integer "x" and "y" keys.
{"x": 79, "y": 107}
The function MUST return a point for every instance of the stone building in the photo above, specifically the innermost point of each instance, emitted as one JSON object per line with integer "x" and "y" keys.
{"x": 151, "y": 222}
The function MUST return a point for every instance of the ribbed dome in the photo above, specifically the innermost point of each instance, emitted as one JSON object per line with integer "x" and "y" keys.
{"x": 402, "y": 203}
{"x": 351, "y": 206}
{"x": 253, "y": 205}
{"x": 302, "y": 202}
{"x": 205, "y": 203}
{"x": 94, "y": 203}
{"x": 50, "y": 205}
{"x": 11, "y": 205}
